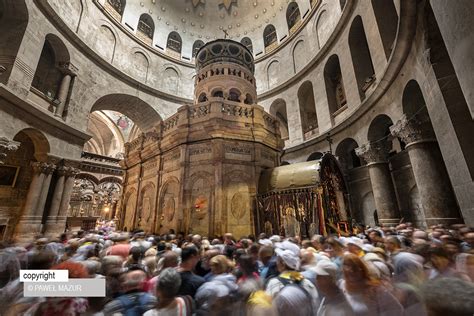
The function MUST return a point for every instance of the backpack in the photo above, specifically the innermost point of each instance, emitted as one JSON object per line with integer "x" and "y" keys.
{"x": 133, "y": 306}
{"x": 298, "y": 284}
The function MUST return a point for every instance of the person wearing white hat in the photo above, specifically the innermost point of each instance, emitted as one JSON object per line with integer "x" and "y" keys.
{"x": 354, "y": 245}
{"x": 334, "y": 301}
{"x": 288, "y": 264}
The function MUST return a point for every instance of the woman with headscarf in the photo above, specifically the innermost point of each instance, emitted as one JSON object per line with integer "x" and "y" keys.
{"x": 365, "y": 294}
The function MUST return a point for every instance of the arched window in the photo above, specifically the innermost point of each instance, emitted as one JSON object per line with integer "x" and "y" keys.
{"x": 174, "y": 43}
{"x": 202, "y": 97}
{"x": 387, "y": 22}
{"x": 248, "y": 99}
{"x": 361, "y": 59}
{"x": 234, "y": 95}
{"x": 293, "y": 16}
{"x": 334, "y": 86}
{"x": 146, "y": 27}
{"x": 269, "y": 36}
{"x": 48, "y": 75}
{"x": 196, "y": 46}
{"x": 247, "y": 42}
{"x": 309, "y": 119}
{"x": 218, "y": 94}
{"x": 117, "y": 5}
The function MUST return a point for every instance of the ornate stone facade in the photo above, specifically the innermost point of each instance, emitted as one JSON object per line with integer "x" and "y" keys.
{"x": 207, "y": 157}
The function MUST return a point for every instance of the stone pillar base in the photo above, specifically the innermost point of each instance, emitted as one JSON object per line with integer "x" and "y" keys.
{"x": 54, "y": 226}
{"x": 28, "y": 228}
{"x": 389, "y": 221}
{"x": 447, "y": 221}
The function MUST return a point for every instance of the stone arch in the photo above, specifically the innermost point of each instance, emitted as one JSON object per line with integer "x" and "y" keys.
{"x": 171, "y": 79}
{"x": 247, "y": 42}
{"x": 379, "y": 131}
{"x": 146, "y": 27}
{"x": 387, "y": 22}
{"x": 146, "y": 208}
{"x": 129, "y": 207}
{"x": 293, "y": 15}
{"x": 202, "y": 97}
{"x": 315, "y": 156}
{"x": 106, "y": 42}
{"x": 273, "y": 70}
{"x": 322, "y": 28}
{"x": 298, "y": 55}
{"x": 168, "y": 211}
{"x": 139, "y": 111}
{"x": 140, "y": 65}
{"x": 91, "y": 178}
{"x": 174, "y": 42}
{"x": 49, "y": 71}
{"x": 412, "y": 99}
{"x": 379, "y": 128}
{"x": 13, "y": 22}
{"x": 335, "y": 91}
{"x": 345, "y": 152}
{"x": 111, "y": 180}
{"x": 269, "y": 35}
{"x": 40, "y": 142}
{"x": 278, "y": 109}
{"x": 307, "y": 106}
{"x": 361, "y": 58}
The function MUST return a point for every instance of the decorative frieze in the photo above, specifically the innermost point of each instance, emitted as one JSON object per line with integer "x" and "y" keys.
{"x": 7, "y": 146}
{"x": 200, "y": 150}
{"x": 374, "y": 152}
{"x": 235, "y": 149}
{"x": 172, "y": 156}
{"x": 416, "y": 129}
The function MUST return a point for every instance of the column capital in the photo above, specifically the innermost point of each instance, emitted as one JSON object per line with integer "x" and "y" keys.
{"x": 6, "y": 146}
{"x": 374, "y": 152}
{"x": 43, "y": 167}
{"x": 68, "y": 68}
{"x": 67, "y": 171}
{"x": 414, "y": 130}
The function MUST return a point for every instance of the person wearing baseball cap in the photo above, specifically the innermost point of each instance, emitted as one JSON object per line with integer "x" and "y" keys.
{"x": 288, "y": 264}
{"x": 334, "y": 301}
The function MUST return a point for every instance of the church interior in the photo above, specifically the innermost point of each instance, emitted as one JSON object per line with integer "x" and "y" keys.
{"x": 289, "y": 117}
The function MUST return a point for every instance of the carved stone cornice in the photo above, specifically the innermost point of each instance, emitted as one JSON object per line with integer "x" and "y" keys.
{"x": 7, "y": 146}
{"x": 417, "y": 129}
{"x": 43, "y": 167}
{"x": 374, "y": 152}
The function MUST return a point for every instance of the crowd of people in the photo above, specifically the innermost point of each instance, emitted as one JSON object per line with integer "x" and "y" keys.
{"x": 398, "y": 270}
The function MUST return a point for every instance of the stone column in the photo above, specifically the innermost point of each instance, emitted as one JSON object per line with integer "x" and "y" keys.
{"x": 30, "y": 221}
{"x": 7, "y": 146}
{"x": 69, "y": 72}
{"x": 375, "y": 154}
{"x": 436, "y": 193}
{"x": 56, "y": 201}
